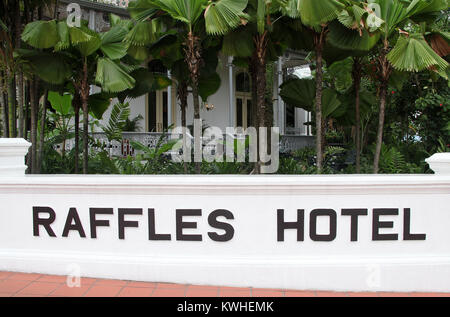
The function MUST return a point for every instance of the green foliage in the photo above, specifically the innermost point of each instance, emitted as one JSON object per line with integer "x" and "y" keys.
{"x": 60, "y": 103}
{"x": 117, "y": 121}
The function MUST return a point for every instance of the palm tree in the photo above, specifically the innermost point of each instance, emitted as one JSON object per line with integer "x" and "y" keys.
{"x": 219, "y": 17}
{"x": 317, "y": 15}
{"x": 79, "y": 55}
{"x": 403, "y": 47}
{"x": 269, "y": 30}
{"x": 349, "y": 33}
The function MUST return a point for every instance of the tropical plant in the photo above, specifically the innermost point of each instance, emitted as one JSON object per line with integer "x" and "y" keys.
{"x": 82, "y": 57}
{"x": 60, "y": 118}
{"x": 403, "y": 47}
{"x": 117, "y": 121}
{"x": 317, "y": 15}
{"x": 220, "y": 17}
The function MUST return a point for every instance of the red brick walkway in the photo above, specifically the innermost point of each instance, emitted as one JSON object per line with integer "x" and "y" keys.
{"x": 40, "y": 285}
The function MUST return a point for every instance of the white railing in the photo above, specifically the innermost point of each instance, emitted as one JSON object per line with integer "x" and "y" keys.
{"x": 117, "y": 3}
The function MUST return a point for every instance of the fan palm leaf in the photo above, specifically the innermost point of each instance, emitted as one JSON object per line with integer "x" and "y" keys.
{"x": 112, "y": 42}
{"x": 41, "y": 34}
{"x": 187, "y": 11}
{"x": 64, "y": 37}
{"x": 142, "y": 10}
{"x": 314, "y": 13}
{"x": 224, "y": 15}
{"x": 299, "y": 93}
{"x": 143, "y": 33}
{"x": 347, "y": 39}
{"x": 112, "y": 77}
{"x": 413, "y": 54}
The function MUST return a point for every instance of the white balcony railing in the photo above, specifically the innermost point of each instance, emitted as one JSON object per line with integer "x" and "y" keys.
{"x": 117, "y": 3}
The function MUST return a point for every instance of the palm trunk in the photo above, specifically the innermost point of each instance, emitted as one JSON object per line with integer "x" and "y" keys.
{"x": 42, "y": 134}
{"x": 382, "y": 110}
{"x": 319, "y": 43}
{"x": 386, "y": 70}
{"x": 34, "y": 101}
{"x": 20, "y": 100}
{"x": 26, "y": 109}
{"x": 252, "y": 71}
{"x": 4, "y": 109}
{"x": 356, "y": 73}
{"x": 84, "y": 103}
{"x": 76, "y": 105}
{"x": 193, "y": 60}
{"x": 260, "y": 76}
{"x": 183, "y": 97}
{"x": 12, "y": 106}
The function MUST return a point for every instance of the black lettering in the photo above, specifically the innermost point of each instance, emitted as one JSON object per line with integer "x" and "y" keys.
{"x": 377, "y": 224}
{"x": 127, "y": 224}
{"x": 45, "y": 222}
{"x": 354, "y": 214}
{"x": 93, "y": 212}
{"x": 407, "y": 235}
{"x": 228, "y": 228}
{"x": 180, "y": 213}
{"x": 77, "y": 226}
{"x": 313, "y": 225}
{"x": 299, "y": 225}
{"x": 152, "y": 235}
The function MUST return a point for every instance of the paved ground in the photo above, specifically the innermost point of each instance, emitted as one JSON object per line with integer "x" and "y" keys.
{"x": 40, "y": 285}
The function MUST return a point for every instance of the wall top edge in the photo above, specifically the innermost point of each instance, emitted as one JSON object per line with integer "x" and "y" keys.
{"x": 14, "y": 142}
{"x": 238, "y": 181}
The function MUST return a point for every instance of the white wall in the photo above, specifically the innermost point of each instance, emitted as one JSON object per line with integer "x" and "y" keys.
{"x": 254, "y": 255}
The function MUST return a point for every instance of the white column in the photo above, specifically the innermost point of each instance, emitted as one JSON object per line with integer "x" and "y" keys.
{"x": 92, "y": 19}
{"x": 91, "y": 26}
{"x": 281, "y": 105}
{"x": 275, "y": 97}
{"x": 306, "y": 114}
{"x": 231, "y": 109}
{"x": 12, "y": 156}
{"x": 169, "y": 101}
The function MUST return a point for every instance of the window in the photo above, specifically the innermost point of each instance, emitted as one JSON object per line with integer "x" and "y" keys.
{"x": 157, "y": 102}
{"x": 243, "y": 100}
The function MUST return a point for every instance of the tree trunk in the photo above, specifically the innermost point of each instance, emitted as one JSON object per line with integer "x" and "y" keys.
{"x": 42, "y": 134}
{"x": 34, "y": 101}
{"x": 76, "y": 103}
{"x": 183, "y": 97}
{"x": 319, "y": 43}
{"x": 260, "y": 76}
{"x": 5, "y": 119}
{"x": 12, "y": 105}
{"x": 356, "y": 73}
{"x": 254, "y": 90}
{"x": 386, "y": 70}
{"x": 193, "y": 60}
{"x": 84, "y": 103}
{"x": 20, "y": 100}
{"x": 85, "y": 135}
{"x": 383, "y": 96}
{"x": 27, "y": 93}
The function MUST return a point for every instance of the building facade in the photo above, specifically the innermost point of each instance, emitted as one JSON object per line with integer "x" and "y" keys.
{"x": 228, "y": 107}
